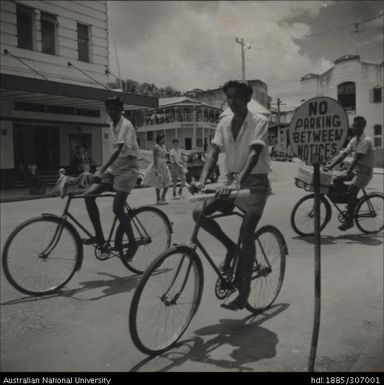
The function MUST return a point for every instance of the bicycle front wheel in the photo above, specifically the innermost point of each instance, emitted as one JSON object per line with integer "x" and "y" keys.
{"x": 165, "y": 300}
{"x": 369, "y": 211}
{"x": 303, "y": 215}
{"x": 41, "y": 255}
{"x": 268, "y": 269}
{"x": 152, "y": 231}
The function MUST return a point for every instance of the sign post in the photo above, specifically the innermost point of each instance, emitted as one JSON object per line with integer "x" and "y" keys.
{"x": 317, "y": 133}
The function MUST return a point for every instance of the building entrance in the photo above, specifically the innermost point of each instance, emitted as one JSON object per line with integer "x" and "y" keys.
{"x": 39, "y": 144}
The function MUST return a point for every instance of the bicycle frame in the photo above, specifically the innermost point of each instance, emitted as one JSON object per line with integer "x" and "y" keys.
{"x": 336, "y": 205}
{"x": 66, "y": 215}
{"x": 195, "y": 243}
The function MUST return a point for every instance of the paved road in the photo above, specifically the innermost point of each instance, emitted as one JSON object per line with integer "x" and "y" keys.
{"x": 85, "y": 328}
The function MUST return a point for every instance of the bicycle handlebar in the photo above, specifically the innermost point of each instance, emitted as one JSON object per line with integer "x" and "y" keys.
{"x": 212, "y": 193}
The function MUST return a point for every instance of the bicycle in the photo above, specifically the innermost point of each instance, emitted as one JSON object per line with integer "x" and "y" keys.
{"x": 42, "y": 254}
{"x": 170, "y": 291}
{"x": 368, "y": 213}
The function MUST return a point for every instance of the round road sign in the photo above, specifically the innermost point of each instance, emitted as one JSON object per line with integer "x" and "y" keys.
{"x": 318, "y": 130}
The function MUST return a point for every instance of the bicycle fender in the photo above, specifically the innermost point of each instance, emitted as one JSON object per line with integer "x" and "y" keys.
{"x": 162, "y": 214}
{"x": 273, "y": 228}
{"x": 75, "y": 234}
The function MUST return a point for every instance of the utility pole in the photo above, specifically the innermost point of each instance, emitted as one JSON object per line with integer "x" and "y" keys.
{"x": 194, "y": 138}
{"x": 243, "y": 48}
{"x": 278, "y": 122}
{"x": 118, "y": 66}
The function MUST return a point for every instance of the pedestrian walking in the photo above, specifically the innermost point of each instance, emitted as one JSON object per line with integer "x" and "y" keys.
{"x": 177, "y": 168}
{"x": 157, "y": 174}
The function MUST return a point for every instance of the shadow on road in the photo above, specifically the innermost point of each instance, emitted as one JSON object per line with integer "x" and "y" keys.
{"x": 234, "y": 344}
{"x": 113, "y": 285}
{"x": 365, "y": 239}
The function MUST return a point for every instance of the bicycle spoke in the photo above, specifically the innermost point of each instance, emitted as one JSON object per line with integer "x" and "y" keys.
{"x": 37, "y": 261}
{"x": 169, "y": 297}
{"x": 269, "y": 268}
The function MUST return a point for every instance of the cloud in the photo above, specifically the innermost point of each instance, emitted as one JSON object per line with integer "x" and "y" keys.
{"x": 192, "y": 44}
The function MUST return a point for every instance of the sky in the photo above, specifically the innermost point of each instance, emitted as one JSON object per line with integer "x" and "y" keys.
{"x": 192, "y": 44}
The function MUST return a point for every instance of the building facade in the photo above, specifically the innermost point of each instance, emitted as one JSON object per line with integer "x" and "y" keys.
{"x": 54, "y": 71}
{"x": 186, "y": 119}
{"x": 358, "y": 87}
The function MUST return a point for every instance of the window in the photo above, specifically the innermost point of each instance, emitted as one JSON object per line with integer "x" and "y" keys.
{"x": 53, "y": 109}
{"x": 346, "y": 95}
{"x": 48, "y": 33}
{"x": 83, "y": 42}
{"x": 25, "y": 21}
{"x": 378, "y": 135}
{"x": 150, "y": 135}
{"x": 375, "y": 95}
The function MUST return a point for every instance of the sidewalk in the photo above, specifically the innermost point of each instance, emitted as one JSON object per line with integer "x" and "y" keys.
{"x": 21, "y": 194}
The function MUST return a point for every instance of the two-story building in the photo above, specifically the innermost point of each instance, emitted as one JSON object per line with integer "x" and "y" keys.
{"x": 184, "y": 118}
{"x": 358, "y": 86}
{"x": 54, "y": 71}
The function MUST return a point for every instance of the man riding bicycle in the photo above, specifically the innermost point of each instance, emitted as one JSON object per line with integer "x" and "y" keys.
{"x": 119, "y": 171}
{"x": 360, "y": 171}
{"x": 243, "y": 136}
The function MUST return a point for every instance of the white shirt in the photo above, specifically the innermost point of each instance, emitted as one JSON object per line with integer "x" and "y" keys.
{"x": 124, "y": 133}
{"x": 365, "y": 147}
{"x": 253, "y": 131}
{"x": 175, "y": 155}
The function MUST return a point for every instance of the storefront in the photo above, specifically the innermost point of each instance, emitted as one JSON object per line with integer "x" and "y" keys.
{"x": 60, "y": 125}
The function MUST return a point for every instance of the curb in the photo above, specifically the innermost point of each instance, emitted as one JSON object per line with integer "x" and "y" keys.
{"x": 25, "y": 198}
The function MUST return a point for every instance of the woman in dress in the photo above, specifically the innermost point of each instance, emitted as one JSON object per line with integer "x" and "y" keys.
{"x": 157, "y": 174}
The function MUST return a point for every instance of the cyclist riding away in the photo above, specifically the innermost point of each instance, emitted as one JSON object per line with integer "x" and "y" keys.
{"x": 120, "y": 171}
{"x": 243, "y": 136}
{"x": 360, "y": 171}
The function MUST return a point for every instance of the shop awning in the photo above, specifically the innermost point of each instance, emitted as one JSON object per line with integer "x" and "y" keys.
{"x": 39, "y": 90}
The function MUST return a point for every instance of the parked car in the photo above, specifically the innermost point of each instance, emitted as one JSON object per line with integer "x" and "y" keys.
{"x": 194, "y": 161}
{"x": 281, "y": 154}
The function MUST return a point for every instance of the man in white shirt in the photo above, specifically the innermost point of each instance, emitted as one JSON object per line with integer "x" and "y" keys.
{"x": 243, "y": 137}
{"x": 360, "y": 171}
{"x": 120, "y": 171}
{"x": 177, "y": 168}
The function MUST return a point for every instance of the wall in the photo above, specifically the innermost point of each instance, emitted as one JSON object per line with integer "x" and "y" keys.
{"x": 55, "y": 67}
{"x": 366, "y": 76}
{"x": 6, "y": 141}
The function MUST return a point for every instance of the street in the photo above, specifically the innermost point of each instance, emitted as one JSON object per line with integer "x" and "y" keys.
{"x": 85, "y": 326}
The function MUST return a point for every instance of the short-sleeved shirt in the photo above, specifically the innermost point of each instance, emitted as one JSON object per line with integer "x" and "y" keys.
{"x": 365, "y": 147}
{"x": 253, "y": 131}
{"x": 124, "y": 133}
{"x": 175, "y": 155}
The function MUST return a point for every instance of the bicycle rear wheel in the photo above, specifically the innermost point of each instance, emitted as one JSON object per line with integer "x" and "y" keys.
{"x": 369, "y": 211}
{"x": 165, "y": 300}
{"x": 41, "y": 255}
{"x": 152, "y": 231}
{"x": 268, "y": 269}
{"x": 303, "y": 215}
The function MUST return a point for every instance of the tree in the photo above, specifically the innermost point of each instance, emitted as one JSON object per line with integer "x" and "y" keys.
{"x": 131, "y": 86}
{"x": 149, "y": 89}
